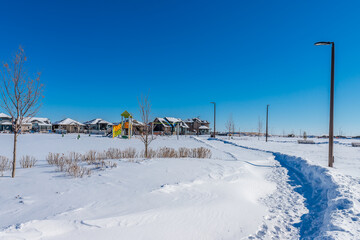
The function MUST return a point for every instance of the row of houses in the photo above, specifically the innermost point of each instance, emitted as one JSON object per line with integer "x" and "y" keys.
{"x": 170, "y": 125}
{"x": 34, "y": 124}
{"x": 160, "y": 126}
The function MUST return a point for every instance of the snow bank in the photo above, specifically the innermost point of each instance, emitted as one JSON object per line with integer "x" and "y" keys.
{"x": 332, "y": 198}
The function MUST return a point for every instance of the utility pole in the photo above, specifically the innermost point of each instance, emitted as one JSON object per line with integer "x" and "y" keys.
{"x": 331, "y": 122}
{"x": 214, "y": 118}
{"x": 178, "y": 130}
{"x": 267, "y": 122}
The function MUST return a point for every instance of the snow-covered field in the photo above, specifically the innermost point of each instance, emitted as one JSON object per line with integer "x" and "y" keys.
{"x": 248, "y": 189}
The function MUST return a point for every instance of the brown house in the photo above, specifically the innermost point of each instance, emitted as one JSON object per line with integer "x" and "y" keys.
{"x": 161, "y": 127}
{"x": 198, "y": 126}
{"x": 68, "y": 125}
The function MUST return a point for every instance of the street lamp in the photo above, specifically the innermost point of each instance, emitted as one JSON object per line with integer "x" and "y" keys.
{"x": 267, "y": 122}
{"x": 331, "y": 123}
{"x": 214, "y": 118}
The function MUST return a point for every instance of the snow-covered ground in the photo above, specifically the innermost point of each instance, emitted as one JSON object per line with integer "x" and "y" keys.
{"x": 332, "y": 194}
{"x": 248, "y": 189}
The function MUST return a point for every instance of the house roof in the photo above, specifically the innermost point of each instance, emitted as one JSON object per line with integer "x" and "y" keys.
{"x": 3, "y": 115}
{"x": 135, "y": 122}
{"x": 203, "y": 127}
{"x": 195, "y": 120}
{"x": 97, "y": 121}
{"x": 172, "y": 120}
{"x": 162, "y": 122}
{"x": 41, "y": 121}
{"x": 68, "y": 121}
{"x": 6, "y": 123}
{"x": 183, "y": 125}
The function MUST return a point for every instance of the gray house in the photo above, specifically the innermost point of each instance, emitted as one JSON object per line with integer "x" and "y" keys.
{"x": 42, "y": 125}
{"x": 98, "y": 126}
{"x": 5, "y": 123}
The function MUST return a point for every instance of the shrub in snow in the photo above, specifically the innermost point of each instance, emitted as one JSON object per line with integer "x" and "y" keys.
{"x": 75, "y": 170}
{"x": 129, "y": 153}
{"x": 4, "y": 165}
{"x": 27, "y": 161}
{"x": 113, "y": 153}
{"x": 72, "y": 162}
{"x": 150, "y": 154}
{"x": 184, "y": 152}
{"x": 166, "y": 152}
{"x": 201, "y": 152}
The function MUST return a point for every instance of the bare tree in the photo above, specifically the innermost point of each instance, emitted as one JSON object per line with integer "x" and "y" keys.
{"x": 20, "y": 94}
{"x": 260, "y": 126}
{"x": 145, "y": 110}
{"x": 230, "y": 126}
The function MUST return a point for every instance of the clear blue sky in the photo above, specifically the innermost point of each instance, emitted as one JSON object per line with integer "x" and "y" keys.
{"x": 97, "y": 57}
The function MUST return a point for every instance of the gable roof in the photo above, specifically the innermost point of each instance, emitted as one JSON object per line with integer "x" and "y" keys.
{"x": 183, "y": 124}
{"x": 162, "y": 122}
{"x": 37, "y": 119}
{"x": 172, "y": 120}
{"x": 68, "y": 121}
{"x": 97, "y": 121}
{"x": 3, "y": 115}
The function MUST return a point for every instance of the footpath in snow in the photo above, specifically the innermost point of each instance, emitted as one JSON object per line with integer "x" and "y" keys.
{"x": 331, "y": 195}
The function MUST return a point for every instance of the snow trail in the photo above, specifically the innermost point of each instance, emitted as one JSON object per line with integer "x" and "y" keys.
{"x": 315, "y": 184}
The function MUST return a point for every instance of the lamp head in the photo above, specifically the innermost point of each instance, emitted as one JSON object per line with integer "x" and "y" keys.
{"x": 323, "y": 43}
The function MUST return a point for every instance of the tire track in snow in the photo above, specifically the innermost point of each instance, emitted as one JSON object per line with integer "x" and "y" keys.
{"x": 321, "y": 193}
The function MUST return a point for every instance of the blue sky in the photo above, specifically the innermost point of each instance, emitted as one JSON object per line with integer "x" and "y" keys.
{"x": 97, "y": 57}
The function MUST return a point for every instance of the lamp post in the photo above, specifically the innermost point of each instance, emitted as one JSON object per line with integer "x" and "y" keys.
{"x": 267, "y": 121}
{"x": 214, "y": 118}
{"x": 331, "y": 122}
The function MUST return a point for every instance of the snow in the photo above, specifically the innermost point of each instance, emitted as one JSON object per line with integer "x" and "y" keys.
{"x": 162, "y": 121}
{"x": 96, "y": 121}
{"x": 3, "y": 115}
{"x": 172, "y": 120}
{"x": 332, "y": 194}
{"x": 44, "y": 121}
{"x": 67, "y": 121}
{"x": 249, "y": 189}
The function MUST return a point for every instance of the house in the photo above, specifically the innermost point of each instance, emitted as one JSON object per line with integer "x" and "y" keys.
{"x": 97, "y": 126}
{"x": 174, "y": 122}
{"x": 138, "y": 127}
{"x": 36, "y": 124}
{"x": 68, "y": 125}
{"x": 198, "y": 126}
{"x": 161, "y": 127}
{"x": 5, "y": 123}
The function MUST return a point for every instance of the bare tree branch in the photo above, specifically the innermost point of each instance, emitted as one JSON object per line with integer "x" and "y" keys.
{"x": 20, "y": 94}
{"x": 145, "y": 111}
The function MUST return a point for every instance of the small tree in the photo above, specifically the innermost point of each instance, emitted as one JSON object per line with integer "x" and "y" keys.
{"x": 145, "y": 109}
{"x": 230, "y": 126}
{"x": 259, "y": 128}
{"x": 305, "y": 136}
{"x": 20, "y": 95}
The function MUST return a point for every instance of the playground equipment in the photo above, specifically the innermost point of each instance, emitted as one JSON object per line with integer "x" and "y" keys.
{"x": 125, "y": 128}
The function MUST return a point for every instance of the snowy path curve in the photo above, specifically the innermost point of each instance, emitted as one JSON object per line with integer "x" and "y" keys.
{"x": 321, "y": 193}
